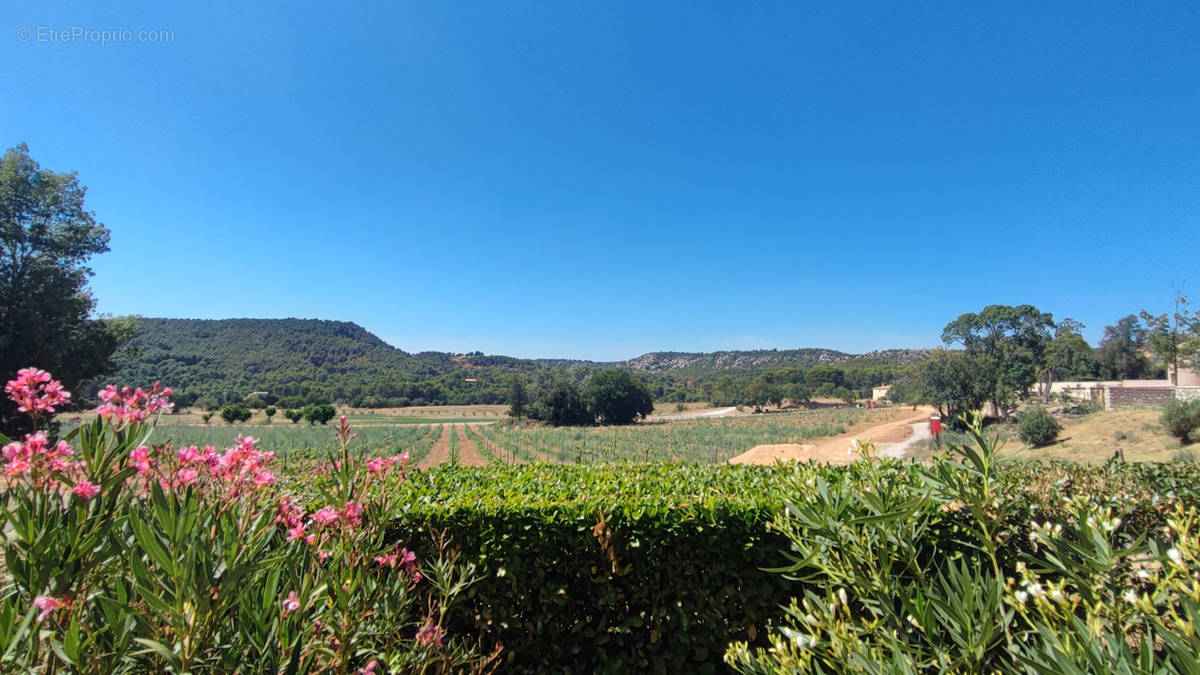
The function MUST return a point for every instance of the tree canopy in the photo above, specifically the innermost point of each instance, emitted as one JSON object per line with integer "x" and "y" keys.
{"x": 1120, "y": 351}
{"x": 1006, "y": 344}
{"x": 617, "y": 397}
{"x": 46, "y": 239}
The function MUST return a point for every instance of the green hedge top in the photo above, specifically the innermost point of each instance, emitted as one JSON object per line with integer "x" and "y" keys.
{"x": 632, "y": 489}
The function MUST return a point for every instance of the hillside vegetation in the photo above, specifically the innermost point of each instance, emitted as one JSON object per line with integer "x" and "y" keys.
{"x": 299, "y": 361}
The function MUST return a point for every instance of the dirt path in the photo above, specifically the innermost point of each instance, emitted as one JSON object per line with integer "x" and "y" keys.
{"x": 497, "y": 451}
{"x": 836, "y": 449}
{"x": 468, "y": 454}
{"x": 715, "y": 412}
{"x": 440, "y": 452}
{"x": 920, "y": 431}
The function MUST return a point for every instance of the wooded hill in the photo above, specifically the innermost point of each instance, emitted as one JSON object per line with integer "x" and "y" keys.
{"x": 300, "y": 361}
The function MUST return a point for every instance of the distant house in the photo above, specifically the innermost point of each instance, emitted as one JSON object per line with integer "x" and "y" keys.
{"x": 879, "y": 393}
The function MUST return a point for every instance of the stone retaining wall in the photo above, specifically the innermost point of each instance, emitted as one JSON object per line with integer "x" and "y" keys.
{"x": 1121, "y": 397}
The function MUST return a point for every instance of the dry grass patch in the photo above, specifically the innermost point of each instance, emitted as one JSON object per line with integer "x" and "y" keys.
{"x": 1093, "y": 439}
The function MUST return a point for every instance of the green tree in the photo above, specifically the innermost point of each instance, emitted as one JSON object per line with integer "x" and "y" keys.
{"x": 232, "y": 414}
{"x": 1120, "y": 350}
{"x": 46, "y": 239}
{"x": 1009, "y": 343}
{"x": 319, "y": 413}
{"x": 1173, "y": 338}
{"x": 1068, "y": 356}
{"x": 560, "y": 403}
{"x": 518, "y": 396}
{"x": 294, "y": 414}
{"x": 797, "y": 392}
{"x": 954, "y": 382}
{"x": 270, "y": 412}
{"x": 617, "y": 397}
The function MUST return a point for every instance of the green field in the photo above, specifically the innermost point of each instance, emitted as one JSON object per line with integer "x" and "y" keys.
{"x": 302, "y": 441}
{"x": 702, "y": 440}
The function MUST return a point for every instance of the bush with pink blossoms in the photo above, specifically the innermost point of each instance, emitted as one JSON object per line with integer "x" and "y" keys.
{"x": 125, "y": 556}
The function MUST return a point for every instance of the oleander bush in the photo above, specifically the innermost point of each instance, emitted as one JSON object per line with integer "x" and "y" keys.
{"x": 962, "y": 566}
{"x": 125, "y": 557}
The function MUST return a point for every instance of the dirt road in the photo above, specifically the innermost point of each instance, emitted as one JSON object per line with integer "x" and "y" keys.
{"x": 837, "y": 449}
{"x": 440, "y": 452}
{"x": 468, "y": 454}
{"x": 713, "y": 412}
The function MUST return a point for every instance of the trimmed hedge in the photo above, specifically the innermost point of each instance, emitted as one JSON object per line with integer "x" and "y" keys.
{"x": 658, "y": 568}
{"x": 636, "y": 568}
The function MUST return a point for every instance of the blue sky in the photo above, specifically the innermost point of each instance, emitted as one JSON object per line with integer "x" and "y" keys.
{"x": 598, "y": 180}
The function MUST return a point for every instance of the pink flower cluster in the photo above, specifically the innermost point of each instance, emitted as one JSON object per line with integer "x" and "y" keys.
{"x": 349, "y": 517}
{"x": 34, "y": 391}
{"x": 380, "y": 465}
{"x": 290, "y": 604}
{"x": 47, "y": 465}
{"x": 430, "y": 635}
{"x": 239, "y": 470}
{"x": 48, "y": 604}
{"x": 133, "y": 405}
{"x": 402, "y": 558}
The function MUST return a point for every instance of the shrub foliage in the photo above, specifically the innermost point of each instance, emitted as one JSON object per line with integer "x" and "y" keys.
{"x": 955, "y": 568}
{"x": 1038, "y": 428}
{"x": 1181, "y": 419}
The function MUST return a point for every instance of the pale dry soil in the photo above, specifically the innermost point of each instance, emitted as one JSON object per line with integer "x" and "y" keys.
{"x": 468, "y": 454}
{"x": 440, "y": 452}
{"x": 837, "y": 449}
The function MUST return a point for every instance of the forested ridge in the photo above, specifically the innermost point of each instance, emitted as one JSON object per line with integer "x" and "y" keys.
{"x": 299, "y": 361}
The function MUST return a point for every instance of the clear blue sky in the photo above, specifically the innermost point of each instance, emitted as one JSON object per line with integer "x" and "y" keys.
{"x": 598, "y": 180}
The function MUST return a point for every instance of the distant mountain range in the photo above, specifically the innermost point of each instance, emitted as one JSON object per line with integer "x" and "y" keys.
{"x": 317, "y": 360}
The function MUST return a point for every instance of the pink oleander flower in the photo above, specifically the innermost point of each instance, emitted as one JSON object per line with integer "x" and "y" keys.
{"x": 86, "y": 489}
{"x": 190, "y": 454}
{"x": 186, "y": 476}
{"x": 297, "y": 532}
{"x": 430, "y": 634}
{"x": 343, "y": 434}
{"x": 133, "y": 405}
{"x": 326, "y": 515}
{"x": 140, "y": 458}
{"x": 291, "y": 515}
{"x": 35, "y": 391}
{"x": 17, "y": 467}
{"x": 352, "y": 514}
{"x": 368, "y": 669}
{"x": 377, "y": 464}
{"x": 35, "y": 455}
{"x": 47, "y": 604}
{"x": 290, "y": 603}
